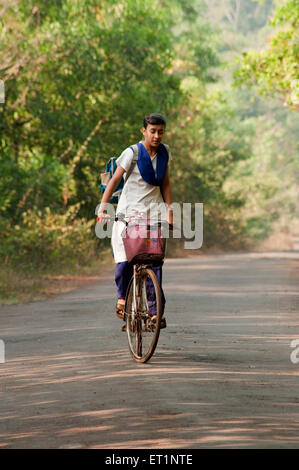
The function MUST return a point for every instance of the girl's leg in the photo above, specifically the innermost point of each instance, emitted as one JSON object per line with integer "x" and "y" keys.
{"x": 157, "y": 268}
{"x": 123, "y": 274}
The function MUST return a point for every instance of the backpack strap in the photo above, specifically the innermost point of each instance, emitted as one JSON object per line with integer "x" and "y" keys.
{"x": 134, "y": 148}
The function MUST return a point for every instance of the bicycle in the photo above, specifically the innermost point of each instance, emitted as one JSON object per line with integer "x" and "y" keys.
{"x": 143, "y": 309}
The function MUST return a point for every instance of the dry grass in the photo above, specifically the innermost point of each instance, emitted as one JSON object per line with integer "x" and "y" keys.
{"x": 283, "y": 238}
{"x": 17, "y": 286}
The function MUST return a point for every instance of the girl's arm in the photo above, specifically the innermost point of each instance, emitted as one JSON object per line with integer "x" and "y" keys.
{"x": 113, "y": 183}
{"x": 167, "y": 196}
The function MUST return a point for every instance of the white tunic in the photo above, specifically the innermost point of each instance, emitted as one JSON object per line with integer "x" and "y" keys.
{"x": 137, "y": 195}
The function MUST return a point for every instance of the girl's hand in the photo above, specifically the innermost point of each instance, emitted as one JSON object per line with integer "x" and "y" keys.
{"x": 101, "y": 215}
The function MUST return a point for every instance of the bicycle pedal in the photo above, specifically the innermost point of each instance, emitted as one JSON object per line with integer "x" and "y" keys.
{"x": 162, "y": 322}
{"x": 148, "y": 327}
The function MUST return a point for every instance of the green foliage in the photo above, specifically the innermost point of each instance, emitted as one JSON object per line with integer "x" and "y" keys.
{"x": 47, "y": 240}
{"x": 210, "y": 143}
{"x": 79, "y": 77}
{"x": 80, "y": 64}
{"x": 275, "y": 70}
{"x": 37, "y": 180}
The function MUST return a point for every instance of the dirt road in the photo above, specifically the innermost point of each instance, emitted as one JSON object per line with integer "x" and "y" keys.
{"x": 222, "y": 375}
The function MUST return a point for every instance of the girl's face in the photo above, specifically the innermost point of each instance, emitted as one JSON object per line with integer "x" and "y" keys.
{"x": 153, "y": 134}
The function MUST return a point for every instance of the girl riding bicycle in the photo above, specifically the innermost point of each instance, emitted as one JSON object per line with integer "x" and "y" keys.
{"x": 148, "y": 184}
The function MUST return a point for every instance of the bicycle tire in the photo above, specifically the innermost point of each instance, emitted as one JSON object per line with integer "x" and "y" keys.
{"x": 142, "y": 334}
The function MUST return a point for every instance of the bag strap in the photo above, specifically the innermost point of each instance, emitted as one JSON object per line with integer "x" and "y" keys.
{"x": 134, "y": 161}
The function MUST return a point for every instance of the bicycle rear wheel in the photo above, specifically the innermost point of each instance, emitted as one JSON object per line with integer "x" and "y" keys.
{"x": 141, "y": 307}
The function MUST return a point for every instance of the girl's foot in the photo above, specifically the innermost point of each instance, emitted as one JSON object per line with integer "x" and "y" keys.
{"x": 120, "y": 309}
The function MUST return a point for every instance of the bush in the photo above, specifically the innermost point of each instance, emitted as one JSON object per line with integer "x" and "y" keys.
{"x": 45, "y": 240}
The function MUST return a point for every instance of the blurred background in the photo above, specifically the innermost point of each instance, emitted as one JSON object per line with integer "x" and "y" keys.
{"x": 78, "y": 77}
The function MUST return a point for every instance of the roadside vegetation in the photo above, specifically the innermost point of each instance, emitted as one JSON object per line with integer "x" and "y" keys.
{"x": 78, "y": 77}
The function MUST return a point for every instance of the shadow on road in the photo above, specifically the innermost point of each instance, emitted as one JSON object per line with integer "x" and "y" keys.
{"x": 221, "y": 376}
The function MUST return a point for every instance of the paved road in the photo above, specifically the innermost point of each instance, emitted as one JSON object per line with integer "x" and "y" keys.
{"x": 222, "y": 376}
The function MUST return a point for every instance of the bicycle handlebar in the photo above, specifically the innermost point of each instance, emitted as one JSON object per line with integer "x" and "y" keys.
{"x": 121, "y": 218}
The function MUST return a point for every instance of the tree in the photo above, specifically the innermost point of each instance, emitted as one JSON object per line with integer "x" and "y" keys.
{"x": 77, "y": 82}
{"x": 275, "y": 70}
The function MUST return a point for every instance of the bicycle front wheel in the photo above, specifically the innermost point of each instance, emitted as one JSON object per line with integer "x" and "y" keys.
{"x": 143, "y": 314}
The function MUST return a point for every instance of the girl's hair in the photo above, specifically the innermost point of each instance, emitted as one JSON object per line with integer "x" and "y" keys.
{"x": 153, "y": 119}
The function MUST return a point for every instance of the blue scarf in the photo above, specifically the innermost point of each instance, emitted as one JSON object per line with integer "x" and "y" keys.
{"x": 146, "y": 167}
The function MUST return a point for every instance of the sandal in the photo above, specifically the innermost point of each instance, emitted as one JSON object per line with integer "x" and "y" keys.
{"x": 120, "y": 310}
